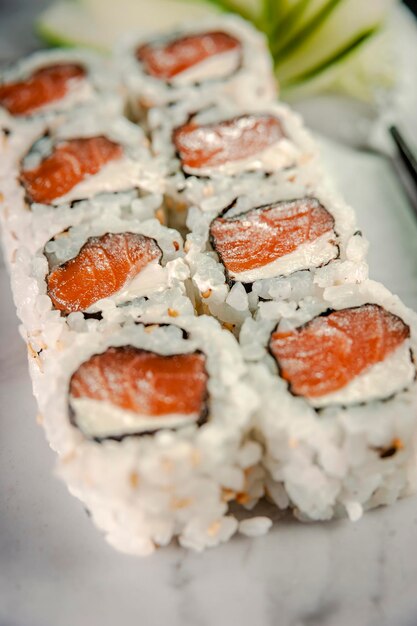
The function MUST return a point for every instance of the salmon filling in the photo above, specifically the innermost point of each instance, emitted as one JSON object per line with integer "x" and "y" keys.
{"x": 167, "y": 60}
{"x": 159, "y": 390}
{"x": 253, "y": 240}
{"x": 46, "y": 85}
{"x": 213, "y": 145}
{"x": 103, "y": 266}
{"x": 70, "y": 163}
{"x": 331, "y": 351}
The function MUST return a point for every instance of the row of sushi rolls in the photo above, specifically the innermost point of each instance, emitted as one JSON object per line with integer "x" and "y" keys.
{"x": 201, "y": 329}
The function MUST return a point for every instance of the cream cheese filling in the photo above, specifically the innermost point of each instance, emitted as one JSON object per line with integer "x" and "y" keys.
{"x": 310, "y": 254}
{"x": 100, "y": 419}
{"x": 382, "y": 380}
{"x": 116, "y": 175}
{"x": 215, "y": 67}
{"x": 151, "y": 278}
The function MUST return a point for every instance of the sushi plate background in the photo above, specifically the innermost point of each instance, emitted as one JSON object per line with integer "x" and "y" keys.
{"x": 57, "y": 570}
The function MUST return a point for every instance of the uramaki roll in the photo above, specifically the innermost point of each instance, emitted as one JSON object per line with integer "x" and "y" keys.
{"x": 90, "y": 270}
{"x": 150, "y": 421}
{"x": 225, "y": 56}
{"x": 277, "y": 245}
{"x": 338, "y": 411}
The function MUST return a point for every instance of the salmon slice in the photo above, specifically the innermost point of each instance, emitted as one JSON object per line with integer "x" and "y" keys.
{"x": 101, "y": 268}
{"x": 146, "y": 383}
{"x": 46, "y": 85}
{"x": 212, "y": 145}
{"x": 252, "y": 240}
{"x": 166, "y": 60}
{"x": 331, "y": 350}
{"x": 70, "y": 162}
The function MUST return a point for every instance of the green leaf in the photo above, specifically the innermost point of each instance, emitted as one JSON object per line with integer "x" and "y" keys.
{"x": 306, "y": 17}
{"x": 363, "y": 69}
{"x": 276, "y": 11}
{"x": 248, "y": 10}
{"x": 347, "y": 20}
{"x": 336, "y": 59}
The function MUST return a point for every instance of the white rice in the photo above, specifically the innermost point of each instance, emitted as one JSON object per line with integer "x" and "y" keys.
{"x": 255, "y": 526}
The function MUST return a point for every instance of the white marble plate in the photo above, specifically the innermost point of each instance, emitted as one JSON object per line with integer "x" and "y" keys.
{"x": 56, "y": 569}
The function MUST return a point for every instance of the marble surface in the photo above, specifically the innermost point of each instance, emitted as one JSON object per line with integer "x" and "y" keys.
{"x": 56, "y": 569}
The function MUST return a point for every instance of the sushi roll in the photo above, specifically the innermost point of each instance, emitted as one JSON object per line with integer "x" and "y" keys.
{"x": 89, "y": 270}
{"x": 339, "y": 403}
{"x": 220, "y": 152}
{"x": 150, "y": 422}
{"x": 279, "y": 244}
{"x": 224, "y": 56}
{"x": 43, "y": 88}
{"x": 87, "y": 156}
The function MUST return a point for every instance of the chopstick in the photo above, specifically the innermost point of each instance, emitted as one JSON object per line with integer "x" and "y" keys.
{"x": 405, "y": 152}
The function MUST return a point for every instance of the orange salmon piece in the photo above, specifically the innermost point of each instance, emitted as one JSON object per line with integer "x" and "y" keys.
{"x": 329, "y": 351}
{"x": 252, "y": 240}
{"x": 70, "y": 162}
{"x": 166, "y": 60}
{"x": 212, "y": 145}
{"x": 46, "y": 85}
{"x": 100, "y": 269}
{"x": 144, "y": 382}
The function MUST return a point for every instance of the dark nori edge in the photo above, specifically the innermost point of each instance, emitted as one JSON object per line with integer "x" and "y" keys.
{"x": 386, "y": 453}
{"x": 93, "y": 316}
{"x": 185, "y": 334}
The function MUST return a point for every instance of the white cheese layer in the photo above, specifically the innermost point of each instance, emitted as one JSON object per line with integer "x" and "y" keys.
{"x": 215, "y": 67}
{"x": 282, "y": 154}
{"x": 117, "y": 175}
{"x": 308, "y": 255}
{"x": 101, "y": 419}
{"x": 150, "y": 279}
{"x": 379, "y": 381}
